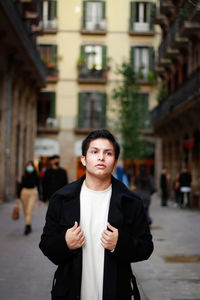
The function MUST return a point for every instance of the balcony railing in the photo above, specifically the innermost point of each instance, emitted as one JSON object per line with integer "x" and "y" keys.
{"x": 96, "y": 76}
{"x": 187, "y": 91}
{"x": 139, "y": 27}
{"x": 50, "y": 125}
{"x": 91, "y": 25}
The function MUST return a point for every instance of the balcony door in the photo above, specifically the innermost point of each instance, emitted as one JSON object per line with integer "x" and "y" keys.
{"x": 94, "y": 15}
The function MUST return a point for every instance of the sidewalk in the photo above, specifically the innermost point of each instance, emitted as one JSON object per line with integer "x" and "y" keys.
{"x": 176, "y": 232}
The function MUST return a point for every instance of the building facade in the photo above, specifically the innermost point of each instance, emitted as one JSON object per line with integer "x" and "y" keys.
{"x": 83, "y": 42}
{"x": 22, "y": 75}
{"x": 176, "y": 119}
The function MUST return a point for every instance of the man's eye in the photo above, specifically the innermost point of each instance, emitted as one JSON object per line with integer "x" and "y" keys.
{"x": 109, "y": 153}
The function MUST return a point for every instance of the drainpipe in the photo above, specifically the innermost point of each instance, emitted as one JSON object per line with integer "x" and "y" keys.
{"x": 8, "y": 127}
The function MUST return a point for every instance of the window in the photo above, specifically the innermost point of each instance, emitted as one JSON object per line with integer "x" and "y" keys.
{"x": 142, "y": 16}
{"x": 92, "y": 110}
{"x": 48, "y": 54}
{"x": 46, "y": 109}
{"x": 92, "y": 61}
{"x": 142, "y": 59}
{"x": 94, "y": 15}
{"x": 49, "y": 14}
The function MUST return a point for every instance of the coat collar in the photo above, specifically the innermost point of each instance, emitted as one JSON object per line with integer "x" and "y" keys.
{"x": 71, "y": 202}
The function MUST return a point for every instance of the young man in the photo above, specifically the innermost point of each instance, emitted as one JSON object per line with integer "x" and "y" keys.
{"x": 95, "y": 227}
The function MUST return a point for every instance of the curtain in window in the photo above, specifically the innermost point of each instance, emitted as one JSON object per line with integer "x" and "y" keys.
{"x": 93, "y": 15}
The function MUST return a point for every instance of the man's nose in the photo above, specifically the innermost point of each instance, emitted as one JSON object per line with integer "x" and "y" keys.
{"x": 101, "y": 156}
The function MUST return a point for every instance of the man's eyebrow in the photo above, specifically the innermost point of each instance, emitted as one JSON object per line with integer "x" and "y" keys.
{"x": 96, "y": 148}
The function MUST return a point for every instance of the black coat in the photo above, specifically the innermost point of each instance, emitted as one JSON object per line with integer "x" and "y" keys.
{"x": 53, "y": 180}
{"x": 134, "y": 244}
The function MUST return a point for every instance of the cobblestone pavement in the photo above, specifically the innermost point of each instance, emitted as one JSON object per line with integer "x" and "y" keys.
{"x": 26, "y": 274}
{"x": 176, "y": 232}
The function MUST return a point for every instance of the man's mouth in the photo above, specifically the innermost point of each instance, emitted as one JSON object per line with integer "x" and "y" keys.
{"x": 101, "y": 166}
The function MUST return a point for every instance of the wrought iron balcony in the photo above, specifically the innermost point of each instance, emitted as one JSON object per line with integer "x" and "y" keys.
{"x": 92, "y": 76}
{"x": 187, "y": 91}
{"x": 93, "y": 26}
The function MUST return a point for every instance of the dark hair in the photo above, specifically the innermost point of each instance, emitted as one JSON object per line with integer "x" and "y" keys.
{"x": 53, "y": 157}
{"x": 97, "y": 134}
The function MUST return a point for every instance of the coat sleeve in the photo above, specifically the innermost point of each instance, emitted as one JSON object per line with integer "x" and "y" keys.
{"x": 53, "y": 243}
{"x": 135, "y": 244}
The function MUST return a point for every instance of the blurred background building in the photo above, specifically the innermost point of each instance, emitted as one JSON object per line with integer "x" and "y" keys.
{"x": 83, "y": 41}
{"x": 176, "y": 119}
{"x": 22, "y": 74}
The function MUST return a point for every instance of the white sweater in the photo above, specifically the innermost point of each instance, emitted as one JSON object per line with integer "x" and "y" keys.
{"x": 93, "y": 221}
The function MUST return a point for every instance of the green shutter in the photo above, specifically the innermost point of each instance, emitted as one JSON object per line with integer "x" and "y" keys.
{"x": 103, "y": 110}
{"x": 132, "y": 57}
{"x": 52, "y": 105}
{"x": 84, "y": 15}
{"x": 132, "y": 19}
{"x": 104, "y": 56}
{"x": 151, "y": 17}
{"x": 103, "y": 9}
{"x": 81, "y": 110}
{"x": 151, "y": 59}
{"x": 54, "y": 53}
{"x": 55, "y": 9}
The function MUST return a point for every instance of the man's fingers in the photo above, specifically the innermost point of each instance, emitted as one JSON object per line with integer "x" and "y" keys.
{"x": 75, "y": 226}
{"x": 111, "y": 227}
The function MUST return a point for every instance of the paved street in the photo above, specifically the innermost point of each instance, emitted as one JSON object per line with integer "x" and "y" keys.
{"x": 27, "y": 275}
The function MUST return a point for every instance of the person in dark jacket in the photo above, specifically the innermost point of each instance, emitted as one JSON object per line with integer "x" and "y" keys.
{"x": 164, "y": 187}
{"x": 54, "y": 178}
{"x": 145, "y": 188}
{"x": 185, "y": 181}
{"x": 29, "y": 191}
{"x": 95, "y": 228}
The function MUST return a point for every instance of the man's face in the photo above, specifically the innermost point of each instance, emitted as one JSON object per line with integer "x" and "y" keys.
{"x": 100, "y": 158}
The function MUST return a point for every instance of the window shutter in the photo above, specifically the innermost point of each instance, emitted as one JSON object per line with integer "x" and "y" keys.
{"x": 54, "y": 53}
{"x": 151, "y": 17}
{"x": 103, "y": 9}
{"x": 54, "y": 4}
{"x": 81, "y": 110}
{"x": 104, "y": 56}
{"x": 151, "y": 59}
{"x": 132, "y": 57}
{"x": 133, "y": 10}
{"x": 103, "y": 110}
{"x": 84, "y": 15}
{"x": 53, "y": 104}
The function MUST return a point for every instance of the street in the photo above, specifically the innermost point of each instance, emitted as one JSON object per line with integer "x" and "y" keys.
{"x": 27, "y": 275}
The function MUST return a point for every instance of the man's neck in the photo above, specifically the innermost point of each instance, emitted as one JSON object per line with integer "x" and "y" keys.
{"x": 97, "y": 184}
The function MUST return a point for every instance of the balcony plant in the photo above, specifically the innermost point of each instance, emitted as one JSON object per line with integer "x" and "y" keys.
{"x": 80, "y": 63}
{"x": 150, "y": 76}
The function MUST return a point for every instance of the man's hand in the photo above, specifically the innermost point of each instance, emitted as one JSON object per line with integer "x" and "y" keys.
{"x": 74, "y": 237}
{"x": 109, "y": 238}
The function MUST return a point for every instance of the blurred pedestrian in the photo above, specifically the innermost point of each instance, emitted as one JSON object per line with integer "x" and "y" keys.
{"x": 29, "y": 192}
{"x": 185, "y": 181}
{"x": 176, "y": 188}
{"x": 145, "y": 188}
{"x": 164, "y": 177}
{"x": 95, "y": 228}
{"x": 121, "y": 175}
{"x": 54, "y": 178}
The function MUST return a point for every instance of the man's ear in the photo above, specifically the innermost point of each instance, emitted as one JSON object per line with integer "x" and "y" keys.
{"x": 83, "y": 160}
